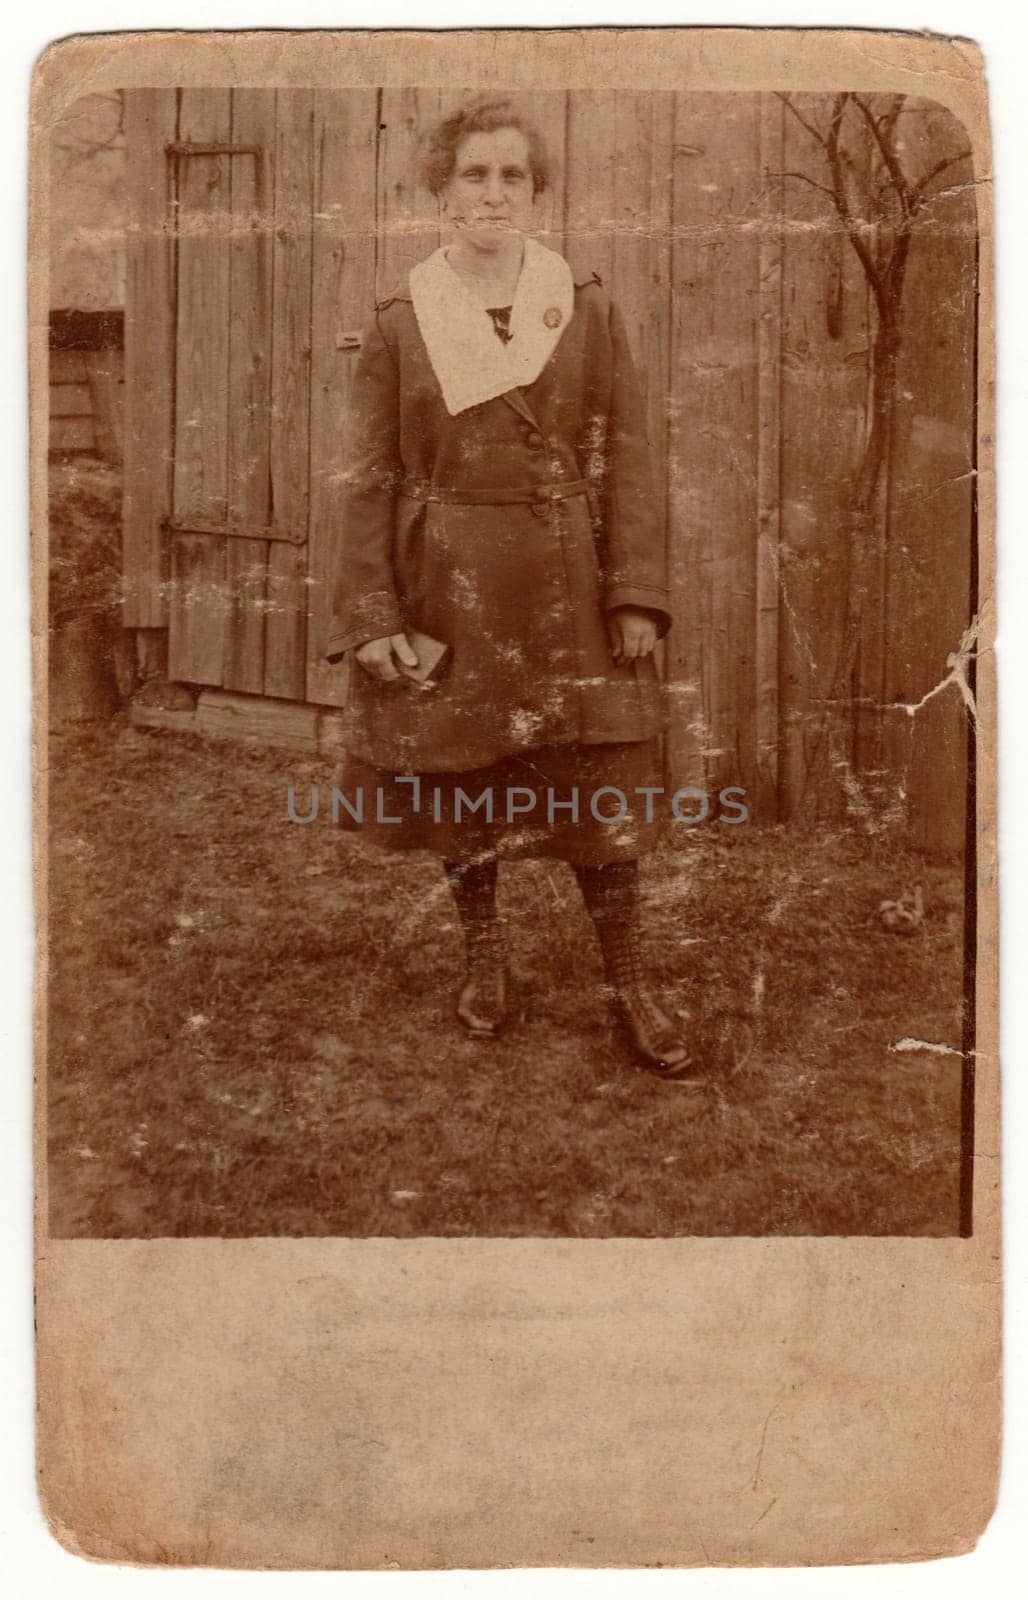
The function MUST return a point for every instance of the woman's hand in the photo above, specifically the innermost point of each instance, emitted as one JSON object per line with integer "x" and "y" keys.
{"x": 379, "y": 657}
{"x": 633, "y": 633}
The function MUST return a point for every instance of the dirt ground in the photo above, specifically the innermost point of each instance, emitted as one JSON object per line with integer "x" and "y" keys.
{"x": 251, "y": 1026}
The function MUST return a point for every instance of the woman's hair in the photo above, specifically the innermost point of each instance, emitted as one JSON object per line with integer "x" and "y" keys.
{"x": 438, "y": 155}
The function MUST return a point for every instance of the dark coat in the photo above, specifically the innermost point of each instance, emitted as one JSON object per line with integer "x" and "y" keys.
{"x": 520, "y": 590}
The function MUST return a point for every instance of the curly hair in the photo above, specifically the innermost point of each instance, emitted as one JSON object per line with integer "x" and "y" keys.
{"x": 486, "y": 114}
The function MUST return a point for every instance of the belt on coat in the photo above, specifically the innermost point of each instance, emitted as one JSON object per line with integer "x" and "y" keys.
{"x": 537, "y": 494}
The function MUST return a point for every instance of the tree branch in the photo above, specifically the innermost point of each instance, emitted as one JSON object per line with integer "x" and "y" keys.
{"x": 811, "y": 129}
{"x": 939, "y": 168}
{"x": 852, "y": 225}
{"x": 822, "y": 187}
{"x": 890, "y": 117}
{"x": 887, "y": 149}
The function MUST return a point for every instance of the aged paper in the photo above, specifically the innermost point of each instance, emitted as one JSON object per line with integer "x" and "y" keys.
{"x": 573, "y": 451}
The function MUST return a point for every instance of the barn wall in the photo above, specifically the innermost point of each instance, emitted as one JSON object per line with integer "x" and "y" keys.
{"x": 87, "y": 403}
{"x": 251, "y": 275}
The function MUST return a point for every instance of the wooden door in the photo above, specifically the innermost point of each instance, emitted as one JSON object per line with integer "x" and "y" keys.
{"x": 219, "y": 340}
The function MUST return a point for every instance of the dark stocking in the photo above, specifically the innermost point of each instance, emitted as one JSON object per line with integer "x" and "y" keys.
{"x": 611, "y": 895}
{"x": 481, "y": 1005}
{"x": 474, "y": 891}
{"x": 610, "y": 892}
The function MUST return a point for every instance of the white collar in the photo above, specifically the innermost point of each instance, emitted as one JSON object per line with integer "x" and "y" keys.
{"x": 470, "y": 362}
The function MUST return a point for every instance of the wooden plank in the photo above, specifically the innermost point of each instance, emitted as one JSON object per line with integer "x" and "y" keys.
{"x": 255, "y": 719}
{"x": 248, "y": 719}
{"x": 144, "y": 716}
{"x": 931, "y": 492}
{"x": 637, "y": 209}
{"x": 825, "y": 382}
{"x": 408, "y": 216}
{"x": 687, "y": 735}
{"x": 70, "y": 400}
{"x": 867, "y": 564}
{"x": 69, "y": 434}
{"x": 343, "y": 279}
{"x": 249, "y": 387}
{"x": 713, "y": 450}
{"x": 590, "y": 160}
{"x": 291, "y": 311}
{"x": 152, "y": 653}
{"x": 769, "y": 426}
{"x": 331, "y": 732}
{"x": 655, "y": 366}
{"x": 150, "y": 121}
{"x": 107, "y": 390}
{"x": 69, "y": 366}
{"x": 631, "y": 129}
{"x": 285, "y": 645}
{"x": 199, "y": 609}
{"x": 640, "y": 266}
{"x": 246, "y": 584}
{"x": 199, "y": 594}
{"x": 205, "y": 228}
{"x": 285, "y": 666}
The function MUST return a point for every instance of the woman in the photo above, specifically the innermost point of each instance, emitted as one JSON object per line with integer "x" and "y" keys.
{"x": 499, "y": 502}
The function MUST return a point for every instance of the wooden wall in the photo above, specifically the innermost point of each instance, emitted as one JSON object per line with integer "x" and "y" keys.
{"x": 87, "y": 372}
{"x": 251, "y": 275}
{"x": 86, "y": 403}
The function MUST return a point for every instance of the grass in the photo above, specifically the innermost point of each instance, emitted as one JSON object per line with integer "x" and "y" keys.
{"x": 85, "y": 539}
{"x": 251, "y": 1027}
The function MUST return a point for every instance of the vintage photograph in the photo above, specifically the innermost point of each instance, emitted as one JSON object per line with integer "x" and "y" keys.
{"x": 512, "y": 632}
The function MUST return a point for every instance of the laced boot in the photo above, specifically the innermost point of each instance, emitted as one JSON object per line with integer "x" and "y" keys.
{"x": 658, "y": 1038}
{"x": 611, "y": 896}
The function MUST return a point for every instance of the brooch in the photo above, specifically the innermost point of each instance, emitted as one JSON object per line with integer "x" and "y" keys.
{"x": 552, "y": 317}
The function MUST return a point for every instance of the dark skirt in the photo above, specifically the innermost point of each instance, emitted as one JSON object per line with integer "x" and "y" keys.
{"x": 574, "y": 802}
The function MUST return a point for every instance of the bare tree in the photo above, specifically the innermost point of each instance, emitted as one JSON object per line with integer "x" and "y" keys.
{"x": 881, "y": 203}
{"x": 92, "y": 127}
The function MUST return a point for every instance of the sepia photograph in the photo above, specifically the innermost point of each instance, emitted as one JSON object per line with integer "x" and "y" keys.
{"x": 513, "y": 614}
{"x": 517, "y": 1051}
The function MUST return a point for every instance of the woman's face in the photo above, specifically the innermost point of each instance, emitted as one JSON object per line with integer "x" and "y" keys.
{"x": 489, "y": 193}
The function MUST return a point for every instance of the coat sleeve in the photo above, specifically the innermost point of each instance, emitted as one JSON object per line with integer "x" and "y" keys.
{"x": 636, "y": 559}
{"x": 364, "y": 598}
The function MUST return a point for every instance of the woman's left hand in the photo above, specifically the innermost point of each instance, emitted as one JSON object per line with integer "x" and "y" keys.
{"x": 633, "y": 633}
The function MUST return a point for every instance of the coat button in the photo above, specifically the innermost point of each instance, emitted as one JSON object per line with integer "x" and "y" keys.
{"x": 540, "y": 508}
{"x": 534, "y": 441}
